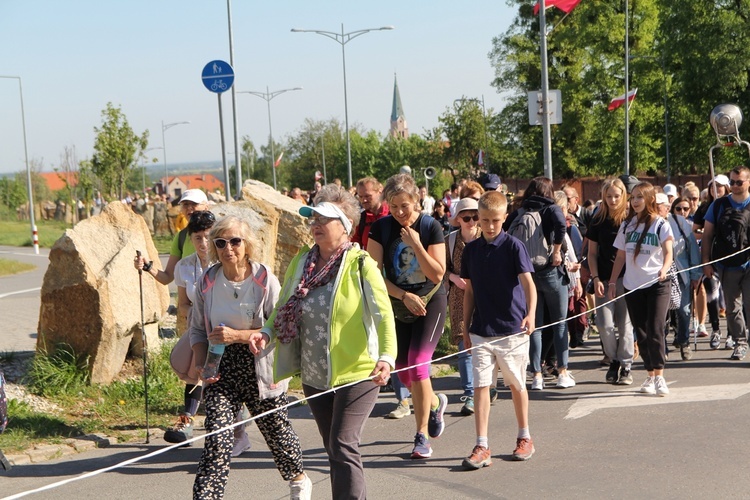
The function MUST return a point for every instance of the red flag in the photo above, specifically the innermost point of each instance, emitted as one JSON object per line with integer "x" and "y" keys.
{"x": 480, "y": 158}
{"x": 620, "y": 100}
{"x": 318, "y": 175}
{"x": 564, "y": 5}
{"x": 278, "y": 160}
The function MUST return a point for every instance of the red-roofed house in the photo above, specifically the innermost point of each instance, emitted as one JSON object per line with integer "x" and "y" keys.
{"x": 55, "y": 180}
{"x": 180, "y": 183}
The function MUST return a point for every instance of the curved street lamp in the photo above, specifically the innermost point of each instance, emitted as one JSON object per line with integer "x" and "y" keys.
{"x": 164, "y": 128}
{"x": 267, "y": 96}
{"x": 342, "y": 39}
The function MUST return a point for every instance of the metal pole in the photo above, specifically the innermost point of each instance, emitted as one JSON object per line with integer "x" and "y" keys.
{"x": 34, "y": 233}
{"x": 270, "y": 135}
{"x": 323, "y": 147}
{"x": 666, "y": 118}
{"x": 346, "y": 111}
{"x": 237, "y": 155}
{"x": 486, "y": 155}
{"x": 546, "y": 132}
{"x": 627, "y": 90}
{"x": 223, "y": 150}
{"x": 164, "y": 148}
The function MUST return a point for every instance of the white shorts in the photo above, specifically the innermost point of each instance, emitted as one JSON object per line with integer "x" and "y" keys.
{"x": 510, "y": 354}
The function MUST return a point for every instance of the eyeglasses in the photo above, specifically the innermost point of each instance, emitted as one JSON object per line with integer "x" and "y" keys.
{"x": 467, "y": 218}
{"x": 737, "y": 182}
{"x": 222, "y": 242}
{"x": 681, "y": 209}
{"x": 320, "y": 221}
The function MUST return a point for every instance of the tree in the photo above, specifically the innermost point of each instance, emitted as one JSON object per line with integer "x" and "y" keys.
{"x": 116, "y": 149}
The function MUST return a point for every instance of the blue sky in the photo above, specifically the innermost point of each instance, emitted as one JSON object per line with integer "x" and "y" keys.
{"x": 146, "y": 56}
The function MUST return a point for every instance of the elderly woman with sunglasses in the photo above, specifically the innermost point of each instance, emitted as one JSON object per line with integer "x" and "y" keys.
{"x": 334, "y": 326}
{"x": 234, "y": 297}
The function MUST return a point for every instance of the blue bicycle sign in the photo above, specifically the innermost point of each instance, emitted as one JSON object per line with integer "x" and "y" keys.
{"x": 218, "y": 76}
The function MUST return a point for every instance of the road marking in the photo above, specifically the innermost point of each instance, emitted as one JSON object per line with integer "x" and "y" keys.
{"x": 586, "y": 405}
{"x": 2, "y": 296}
{"x": 22, "y": 254}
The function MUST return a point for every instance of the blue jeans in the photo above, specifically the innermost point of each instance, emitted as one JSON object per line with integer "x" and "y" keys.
{"x": 465, "y": 370}
{"x": 552, "y": 295}
{"x": 400, "y": 389}
{"x": 683, "y": 315}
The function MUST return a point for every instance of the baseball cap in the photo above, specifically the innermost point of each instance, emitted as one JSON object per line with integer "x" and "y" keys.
{"x": 722, "y": 180}
{"x": 490, "y": 182}
{"x": 661, "y": 199}
{"x": 630, "y": 182}
{"x": 194, "y": 195}
{"x": 463, "y": 205}
{"x": 330, "y": 210}
{"x": 670, "y": 190}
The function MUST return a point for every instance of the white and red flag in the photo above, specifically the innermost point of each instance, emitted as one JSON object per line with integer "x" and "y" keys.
{"x": 564, "y": 5}
{"x": 480, "y": 158}
{"x": 318, "y": 175}
{"x": 620, "y": 100}
{"x": 278, "y": 160}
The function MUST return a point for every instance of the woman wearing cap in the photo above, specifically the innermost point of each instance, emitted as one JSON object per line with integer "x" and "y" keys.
{"x": 467, "y": 220}
{"x": 334, "y": 327}
{"x": 420, "y": 306}
{"x": 233, "y": 299}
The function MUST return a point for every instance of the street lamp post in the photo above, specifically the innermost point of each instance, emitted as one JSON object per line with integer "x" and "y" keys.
{"x": 342, "y": 39}
{"x": 34, "y": 234}
{"x": 164, "y": 128}
{"x": 267, "y": 96}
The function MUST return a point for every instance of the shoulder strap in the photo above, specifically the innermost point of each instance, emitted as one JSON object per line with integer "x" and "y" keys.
{"x": 362, "y": 223}
{"x": 181, "y": 237}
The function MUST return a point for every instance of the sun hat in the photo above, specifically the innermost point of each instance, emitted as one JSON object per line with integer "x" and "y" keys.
{"x": 330, "y": 210}
{"x": 463, "y": 205}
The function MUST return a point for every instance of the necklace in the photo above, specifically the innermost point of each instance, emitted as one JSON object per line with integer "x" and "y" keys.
{"x": 237, "y": 287}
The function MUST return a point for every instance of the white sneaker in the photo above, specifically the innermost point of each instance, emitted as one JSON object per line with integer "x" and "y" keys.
{"x": 661, "y": 386}
{"x": 565, "y": 381}
{"x": 300, "y": 490}
{"x": 241, "y": 445}
{"x": 537, "y": 383}
{"x": 648, "y": 386}
{"x": 730, "y": 342}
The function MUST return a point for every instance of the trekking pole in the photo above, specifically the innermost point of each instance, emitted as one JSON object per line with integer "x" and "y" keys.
{"x": 144, "y": 346}
{"x": 692, "y": 318}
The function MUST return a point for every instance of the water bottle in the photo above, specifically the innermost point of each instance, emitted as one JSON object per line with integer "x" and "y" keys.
{"x": 213, "y": 359}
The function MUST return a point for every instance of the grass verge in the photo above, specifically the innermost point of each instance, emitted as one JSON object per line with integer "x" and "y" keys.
{"x": 18, "y": 233}
{"x": 8, "y": 267}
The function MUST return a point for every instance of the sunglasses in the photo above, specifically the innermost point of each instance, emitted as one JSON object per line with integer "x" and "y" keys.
{"x": 681, "y": 209}
{"x": 320, "y": 221}
{"x": 202, "y": 216}
{"x": 467, "y": 218}
{"x": 738, "y": 182}
{"x": 222, "y": 242}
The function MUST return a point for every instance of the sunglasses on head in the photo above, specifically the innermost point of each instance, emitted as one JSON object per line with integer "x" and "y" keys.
{"x": 222, "y": 242}
{"x": 202, "y": 216}
{"x": 467, "y": 218}
{"x": 737, "y": 182}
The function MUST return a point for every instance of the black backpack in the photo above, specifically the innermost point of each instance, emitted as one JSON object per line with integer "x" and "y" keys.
{"x": 731, "y": 233}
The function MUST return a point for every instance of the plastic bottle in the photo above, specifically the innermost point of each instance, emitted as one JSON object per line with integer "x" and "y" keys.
{"x": 213, "y": 359}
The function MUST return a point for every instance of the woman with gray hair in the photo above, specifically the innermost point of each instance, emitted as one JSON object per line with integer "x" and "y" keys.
{"x": 233, "y": 299}
{"x": 334, "y": 326}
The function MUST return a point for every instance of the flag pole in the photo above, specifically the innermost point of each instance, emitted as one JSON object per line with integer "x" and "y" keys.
{"x": 627, "y": 91}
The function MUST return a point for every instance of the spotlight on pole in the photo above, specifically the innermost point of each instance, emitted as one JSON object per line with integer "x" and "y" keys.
{"x": 725, "y": 119}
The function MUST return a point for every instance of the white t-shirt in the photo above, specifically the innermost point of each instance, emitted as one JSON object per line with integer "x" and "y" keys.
{"x": 428, "y": 205}
{"x": 187, "y": 274}
{"x": 644, "y": 267}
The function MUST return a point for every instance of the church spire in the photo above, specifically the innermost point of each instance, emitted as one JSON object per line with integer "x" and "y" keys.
{"x": 399, "y": 128}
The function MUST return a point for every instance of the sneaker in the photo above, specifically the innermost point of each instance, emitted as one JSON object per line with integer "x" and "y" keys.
{"x": 740, "y": 351}
{"x": 436, "y": 424}
{"x": 614, "y": 368}
{"x": 300, "y": 490}
{"x": 625, "y": 377}
{"x": 660, "y": 385}
{"x": 715, "y": 340}
{"x": 686, "y": 352}
{"x": 493, "y": 395}
{"x": 722, "y": 313}
{"x": 422, "y": 448}
{"x": 537, "y": 383}
{"x": 241, "y": 445}
{"x": 729, "y": 343}
{"x": 182, "y": 430}
{"x": 402, "y": 410}
{"x": 468, "y": 407}
{"x": 524, "y": 449}
{"x": 702, "y": 331}
{"x": 648, "y": 386}
{"x": 480, "y": 457}
{"x": 566, "y": 381}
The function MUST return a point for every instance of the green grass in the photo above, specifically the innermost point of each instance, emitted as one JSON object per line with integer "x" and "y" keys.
{"x": 18, "y": 233}
{"x": 8, "y": 267}
{"x": 163, "y": 243}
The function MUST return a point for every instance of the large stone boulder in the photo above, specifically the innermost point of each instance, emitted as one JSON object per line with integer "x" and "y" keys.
{"x": 90, "y": 295}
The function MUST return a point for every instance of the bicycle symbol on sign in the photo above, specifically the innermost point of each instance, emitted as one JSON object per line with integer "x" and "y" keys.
{"x": 218, "y": 85}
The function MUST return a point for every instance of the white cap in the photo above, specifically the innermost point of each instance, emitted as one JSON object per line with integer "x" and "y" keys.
{"x": 670, "y": 190}
{"x": 721, "y": 180}
{"x": 330, "y": 210}
{"x": 194, "y": 195}
{"x": 661, "y": 199}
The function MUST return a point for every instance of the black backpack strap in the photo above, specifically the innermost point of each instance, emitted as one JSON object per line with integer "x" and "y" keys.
{"x": 181, "y": 237}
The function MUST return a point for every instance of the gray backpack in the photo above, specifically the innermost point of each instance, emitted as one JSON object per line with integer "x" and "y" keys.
{"x": 527, "y": 227}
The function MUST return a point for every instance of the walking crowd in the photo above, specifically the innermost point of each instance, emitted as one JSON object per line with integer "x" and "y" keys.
{"x": 520, "y": 283}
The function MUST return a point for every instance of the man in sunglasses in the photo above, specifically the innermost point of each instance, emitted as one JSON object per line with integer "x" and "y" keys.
{"x": 727, "y": 221}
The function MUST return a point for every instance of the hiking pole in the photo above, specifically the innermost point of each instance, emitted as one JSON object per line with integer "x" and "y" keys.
{"x": 144, "y": 346}
{"x": 692, "y": 317}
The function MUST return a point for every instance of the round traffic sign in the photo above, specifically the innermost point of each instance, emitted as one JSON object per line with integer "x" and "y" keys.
{"x": 218, "y": 76}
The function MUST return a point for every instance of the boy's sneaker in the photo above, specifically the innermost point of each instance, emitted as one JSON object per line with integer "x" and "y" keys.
{"x": 686, "y": 352}
{"x": 436, "y": 424}
{"x": 480, "y": 457}
{"x": 300, "y": 490}
{"x": 715, "y": 341}
{"x": 729, "y": 344}
{"x": 740, "y": 351}
{"x": 537, "y": 383}
{"x": 661, "y": 386}
{"x": 468, "y": 407}
{"x": 422, "y": 448}
{"x": 182, "y": 430}
{"x": 625, "y": 377}
{"x": 566, "y": 381}
{"x": 648, "y": 386}
{"x": 524, "y": 449}
{"x": 614, "y": 368}
{"x": 402, "y": 410}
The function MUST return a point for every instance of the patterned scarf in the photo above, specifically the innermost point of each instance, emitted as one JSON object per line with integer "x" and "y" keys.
{"x": 288, "y": 315}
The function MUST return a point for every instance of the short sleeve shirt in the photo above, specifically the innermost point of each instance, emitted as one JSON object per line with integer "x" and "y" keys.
{"x": 187, "y": 248}
{"x": 646, "y": 265}
{"x": 603, "y": 234}
{"x": 399, "y": 260}
{"x": 499, "y": 299}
